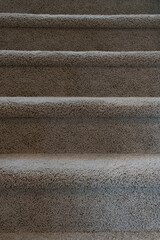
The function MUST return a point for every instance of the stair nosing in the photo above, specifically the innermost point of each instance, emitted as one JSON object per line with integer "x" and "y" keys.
{"x": 80, "y": 107}
{"x": 82, "y": 58}
{"x": 109, "y": 172}
{"x": 130, "y": 21}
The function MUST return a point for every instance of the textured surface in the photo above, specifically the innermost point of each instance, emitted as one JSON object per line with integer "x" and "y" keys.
{"x": 81, "y": 6}
{"x": 79, "y": 125}
{"x": 90, "y": 74}
{"x": 79, "y": 108}
{"x": 79, "y": 33}
{"x": 80, "y": 120}
{"x": 53, "y": 39}
{"x": 141, "y": 21}
{"x": 82, "y": 236}
{"x": 42, "y": 135}
{"x": 76, "y": 59}
{"x": 80, "y": 193}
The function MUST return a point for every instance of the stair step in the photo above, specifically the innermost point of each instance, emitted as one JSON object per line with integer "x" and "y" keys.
{"x": 93, "y": 74}
{"x": 79, "y": 32}
{"x": 54, "y": 193}
{"x": 81, "y": 7}
{"x": 82, "y": 236}
{"x": 79, "y": 125}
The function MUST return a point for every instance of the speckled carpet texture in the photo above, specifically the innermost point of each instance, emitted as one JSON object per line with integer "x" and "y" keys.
{"x": 80, "y": 120}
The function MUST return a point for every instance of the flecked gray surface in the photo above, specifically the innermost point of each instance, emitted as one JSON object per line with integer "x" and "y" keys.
{"x": 82, "y": 236}
{"x": 67, "y": 33}
{"x": 77, "y": 59}
{"x": 141, "y": 21}
{"x": 81, "y": 6}
{"x": 72, "y": 81}
{"x": 81, "y": 196}
{"x": 74, "y": 108}
{"x": 79, "y": 125}
{"x": 84, "y": 74}
{"x": 51, "y": 39}
{"x": 52, "y": 193}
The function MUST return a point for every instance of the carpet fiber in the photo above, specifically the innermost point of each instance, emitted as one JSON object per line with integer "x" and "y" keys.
{"x": 80, "y": 120}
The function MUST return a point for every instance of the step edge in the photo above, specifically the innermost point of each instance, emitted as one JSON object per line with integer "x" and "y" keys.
{"x": 79, "y": 107}
{"x": 112, "y": 173}
{"x": 138, "y": 59}
{"x": 133, "y": 21}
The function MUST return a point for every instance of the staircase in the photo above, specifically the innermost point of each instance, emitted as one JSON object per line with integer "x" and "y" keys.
{"x": 80, "y": 120}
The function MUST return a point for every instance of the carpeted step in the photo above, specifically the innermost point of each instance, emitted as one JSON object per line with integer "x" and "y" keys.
{"x": 90, "y": 74}
{"x": 82, "y": 236}
{"x": 79, "y": 32}
{"x": 81, "y": 6}
{"x": 55, "y": 193}
{"x": 79, "y": 125}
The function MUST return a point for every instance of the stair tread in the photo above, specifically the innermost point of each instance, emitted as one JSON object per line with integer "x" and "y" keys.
{"x": 83, "y": 107}
{"x": 79, "y": 32}
{"x": 115, "y": 172}
{"x": 83, "y": 74}
{"x": 82, "y": 58}
{"x": 80, "y": 21}
{"x": 83, "y": 193}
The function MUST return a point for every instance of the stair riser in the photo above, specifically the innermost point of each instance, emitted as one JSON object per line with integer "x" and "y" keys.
{"x": 81, "y": 81}
{"x": 91, "y": 135}
{"x": 81, "y": 7}
{"x": 53, "y": 39}
{"x": 43, "y": 211}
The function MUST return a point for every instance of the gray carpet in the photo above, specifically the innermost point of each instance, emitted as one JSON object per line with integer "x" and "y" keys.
{"x": 80, "y": 120}
{"x": 83, "y": 74}
{"x": 83, "y": 193}
{"x": 81, "y": 6}
{"x": 82, "y": 236}
{"x": 79, "y": 125}
{"x": 79, "y": 32}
